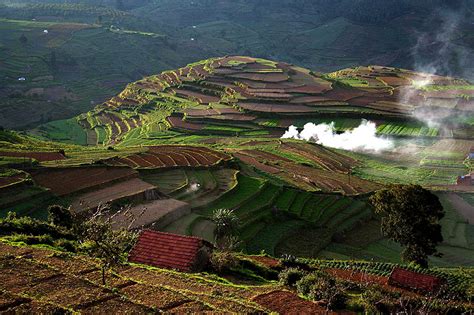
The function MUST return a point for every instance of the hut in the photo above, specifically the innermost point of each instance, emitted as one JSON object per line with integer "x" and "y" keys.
{"x": 171, "y": 251}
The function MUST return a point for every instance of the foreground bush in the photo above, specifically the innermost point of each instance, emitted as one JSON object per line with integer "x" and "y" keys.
{"x": 290, "y": 276}
{"x": 26, "y": 225}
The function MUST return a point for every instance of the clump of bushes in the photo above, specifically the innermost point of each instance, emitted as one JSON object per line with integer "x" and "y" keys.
{"x": 316, "y": 285}
{"x": 26, "y": 225}
{"x": 222, "y": 261}
{"x": 290, "y": 276}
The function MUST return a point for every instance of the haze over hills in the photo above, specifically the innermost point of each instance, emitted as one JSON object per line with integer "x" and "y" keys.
{"x": 280, "y": 156}
{"x": 169, "y": 34}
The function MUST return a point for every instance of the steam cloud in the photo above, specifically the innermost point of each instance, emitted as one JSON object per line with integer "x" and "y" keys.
{"x": 361, "y": 139}
{"x": 440, "y": 51}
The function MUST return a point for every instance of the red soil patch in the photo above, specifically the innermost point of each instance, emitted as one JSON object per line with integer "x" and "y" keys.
{"x": 285, "y": 302}
{"x": 227, "y": 110}
{"x": 39, "y": 156}
{"x": 308, "y": 89}
{"x": 5, "y": 181}
{"x": 266, "y": 155}
{"x": 201, "y": 112}
{"x": 395, "y": 81}
{"x": 252, "y": 161}
{"x": 362, "y": 277}
{"x": 171, "y": 156}
{"x": 359, "y": 277}
{"x": 277, "y": 108}
{"x": 310, "y": 99}
{"x": 465, "y": 105}
{"x": 340, "y": 94}
{"x": 267, "y": 261}
{"x": 265, "y": 77}
{"x": 64, "y": 181}
{"x": 201, "y": 98}
{"x": 178, "y": 122}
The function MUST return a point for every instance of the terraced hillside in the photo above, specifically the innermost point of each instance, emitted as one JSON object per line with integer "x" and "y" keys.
{"x": 38, "y": 280}
{"x": 46, "y": 281}
{"x": 244, "y": 96}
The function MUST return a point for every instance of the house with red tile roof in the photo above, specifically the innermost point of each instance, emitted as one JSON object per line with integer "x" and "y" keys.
{"x": 415, "y": 281}
{"x": 171, "y": 251}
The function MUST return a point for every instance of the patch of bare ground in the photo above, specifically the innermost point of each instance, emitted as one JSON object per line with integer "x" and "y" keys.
{"x": 285, "y": 302}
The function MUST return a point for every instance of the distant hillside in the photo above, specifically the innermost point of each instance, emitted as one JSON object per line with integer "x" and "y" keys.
{"x": 247, "y": 96}
{"x": 90, "y": 62}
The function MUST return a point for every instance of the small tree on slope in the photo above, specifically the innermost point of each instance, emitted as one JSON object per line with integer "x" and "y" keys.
{"x": 227, "y": 224}
{"x": 410, "y": 216}
{"x": 103, "y": 241}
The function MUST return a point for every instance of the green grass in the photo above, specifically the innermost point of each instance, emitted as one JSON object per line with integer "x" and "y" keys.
{"x": 68, "y": 131}
{"x": 246, "y": 188}
{"x": 269, "y": 237}
{"x": 447, "y": 87}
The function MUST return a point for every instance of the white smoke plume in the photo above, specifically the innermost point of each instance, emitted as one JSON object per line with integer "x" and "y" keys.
{"x": 440, "y": 51}
{"x": 360, "y": 139}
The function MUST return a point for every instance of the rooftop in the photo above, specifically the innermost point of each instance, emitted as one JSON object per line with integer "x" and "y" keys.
{"x": 166, "y": 250}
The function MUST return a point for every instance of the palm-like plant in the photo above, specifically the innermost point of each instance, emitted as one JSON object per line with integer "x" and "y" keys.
{"x": 227, "y": 224}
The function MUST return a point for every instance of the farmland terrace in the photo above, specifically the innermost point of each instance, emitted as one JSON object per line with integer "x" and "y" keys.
{"x": 44, "y": 280}
{"x": 186, "y": 142}
{"x": 247, "y": 96}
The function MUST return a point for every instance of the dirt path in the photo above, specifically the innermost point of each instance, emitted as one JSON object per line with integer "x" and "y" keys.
{"x": 464, "y": 208}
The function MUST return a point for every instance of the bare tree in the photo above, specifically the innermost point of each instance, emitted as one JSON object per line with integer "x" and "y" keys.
{"x": 105, "y": 242}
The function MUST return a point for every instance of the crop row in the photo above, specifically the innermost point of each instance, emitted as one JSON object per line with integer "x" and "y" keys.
{"x": 402, "y": 130}
{"x": 171, "y": 156}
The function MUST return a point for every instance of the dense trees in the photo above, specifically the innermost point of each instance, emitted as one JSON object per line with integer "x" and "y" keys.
{"x": 410, "y": 216}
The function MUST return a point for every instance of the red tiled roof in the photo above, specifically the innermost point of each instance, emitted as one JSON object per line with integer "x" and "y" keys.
{"x": 413, "y": 280}
{"x": 166, "y": 250}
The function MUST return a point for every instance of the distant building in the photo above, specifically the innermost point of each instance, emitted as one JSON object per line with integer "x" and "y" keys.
{"x": 415, "y": 281}
{"x": 466, "y": 180}
{"x": 171, "y": 251}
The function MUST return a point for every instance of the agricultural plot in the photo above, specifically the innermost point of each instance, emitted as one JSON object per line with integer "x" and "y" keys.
{"x": 65, "y": 181}
{"x": 196, "y": 187}
{"x": 226, "y": 96}
{"x": 75, "y": 283}
{"x": 133, "y": 189}
{"x": 329, "y": 171}
{"x": 171, "y": 156}
{"x": 38, "y": 156}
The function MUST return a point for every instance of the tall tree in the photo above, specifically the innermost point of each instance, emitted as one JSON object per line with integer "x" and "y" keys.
{"x": 410, "y": 216}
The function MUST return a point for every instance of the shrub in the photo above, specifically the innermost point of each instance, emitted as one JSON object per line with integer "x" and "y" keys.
{"x": 374, "y": 301}
{"x": 320, "y": 286}
{"x": 223, "y": 260}
{"x": 26, "y": 225}
{"x": 290, "y": 276}
{"x": 306, "y": 282}
{"x": 60, "y": 216}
